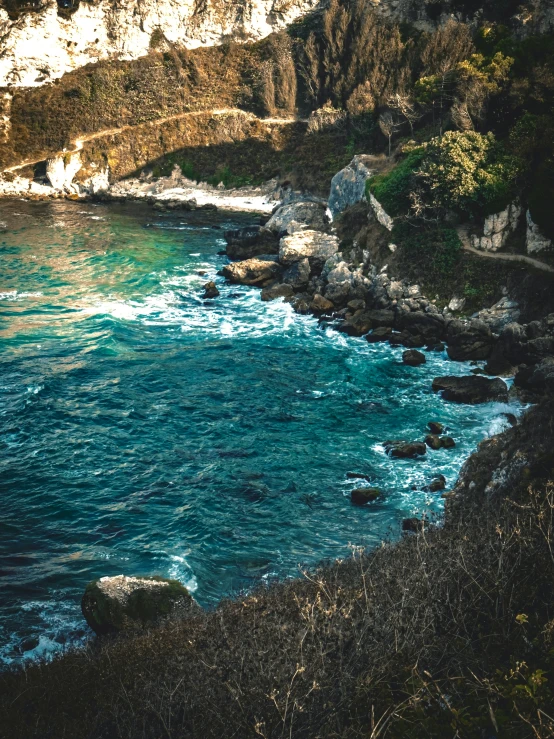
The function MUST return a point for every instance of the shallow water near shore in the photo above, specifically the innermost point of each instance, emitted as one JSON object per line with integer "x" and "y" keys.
{"x": 146, "y": 431}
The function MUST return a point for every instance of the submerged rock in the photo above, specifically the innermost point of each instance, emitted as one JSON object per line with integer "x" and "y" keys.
{"x": 114, "y": 604}
{"x": 405, "y": 449}
{"x": 436, "y": 485}
{"x": 471, "y": 389}
{"x": 361, "y": 496}
{"x": 257, "y": 271}
{"x": 435, "y": 427}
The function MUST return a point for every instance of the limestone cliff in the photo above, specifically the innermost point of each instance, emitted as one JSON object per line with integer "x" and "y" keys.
{"x": 43, "y": 45}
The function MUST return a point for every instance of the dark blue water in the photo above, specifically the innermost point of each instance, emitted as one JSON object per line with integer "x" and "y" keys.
{"x": 145, "y": 431}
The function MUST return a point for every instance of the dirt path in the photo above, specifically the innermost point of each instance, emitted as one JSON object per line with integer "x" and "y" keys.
{"x": 78, "y": 144}
{"x": 464, "y": 238}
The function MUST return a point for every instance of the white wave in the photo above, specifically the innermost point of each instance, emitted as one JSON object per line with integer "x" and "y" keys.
{"x": 15, "y": 295}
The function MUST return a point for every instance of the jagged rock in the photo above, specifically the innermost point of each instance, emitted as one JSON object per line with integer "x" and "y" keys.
{"x": 502, "y": 313}
{"x": 471, "y": 389}
{"x": 379, "y": 334}
{"x": 536, "y": 241}
{"x": 380, "y": 214}
{"x": 348, "y": 185}
{"x": 210, "y": 291}
{"x": 361, "y": 496}
{"x": 497, "y": 229}
{"x": 382, "y": 318}
{"x": 413, "y": 358}
{"x": 358, "y": 325}
{"x": 307, "y": 245}
{"x": 320, "y": 304}
{"x": 356, "y": 305}
{"x": 456, "y": 304}
{"x": 114, "y": 604}
{"x": 257, "y": 271}
{"x": 519, "y": 344}
{"x": 538, "y": 379}
{"x": 277, "y": 291}
{"x": 301, "y": 303}
{"x": 405, "y": 449}
{"x": 61, "y": 170}
{"x": 298, "y": 274}
{"x": 469, "y": 340}
{"x": 298, "y": 216}
{"x": 429, "y": 326}
{"x": 435, "y": 427}
{"x": 245, "y": 243}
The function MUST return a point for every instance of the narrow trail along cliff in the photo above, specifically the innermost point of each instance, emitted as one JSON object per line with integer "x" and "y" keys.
{"x": 464, "y": 238}
{"x": 78, "y": 143}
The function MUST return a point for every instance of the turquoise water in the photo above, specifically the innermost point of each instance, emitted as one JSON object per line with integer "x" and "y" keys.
{"x": 145, "y": 431}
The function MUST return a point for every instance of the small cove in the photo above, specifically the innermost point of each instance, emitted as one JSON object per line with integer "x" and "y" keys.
{"x": 146, "y": 431}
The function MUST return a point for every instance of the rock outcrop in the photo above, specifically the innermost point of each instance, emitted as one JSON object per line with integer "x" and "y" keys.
{"x": 497, "y": 229}
{"x": 42, "y": 45}
{"x": 472, "y": 389}
{"x": 114, "y": 604}
{"x": 301, "y": 215}
{"x": 257, "y": 271}
{"x": 536, "y": 242}
{"x": 348, "y": 185}
{"x": 307, "y": 245}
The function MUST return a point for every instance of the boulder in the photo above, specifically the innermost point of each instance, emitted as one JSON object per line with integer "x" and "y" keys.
{"x": 320, "y": 304}
{"x": 433, "y": 441}
{"x": 307, "y": 245}
{"x": 379, "y": 334}
{"x": 538, "y": 379}
{"x": 447, "y": 442}
{"x": 471, "y": 389}
{"x": 405, "y": 449}
{"x": 502, "y": 313}
{"x": 298, "y": 274}
{"x": 413, "y": 358}
{"x": 436, "y": 485}
{"x": 245, "y": 243}
{"x": 257, "y": 271}
{"x": 358, "y": 325}
{"x": 273, "y": 292}
{"x": 469, "y": 340}
{"x": 361, "y": 496}
{"x": 210, "y": 291}
{"x": 114, "y": 604}
{"x": 295, "y": 217}
{"x": 382, "y": 318}
{"x": 430, "y": 327}
{"x": 348, "y": 185}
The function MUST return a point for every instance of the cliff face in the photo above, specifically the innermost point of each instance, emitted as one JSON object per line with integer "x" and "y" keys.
{"x": 43, "y": 45}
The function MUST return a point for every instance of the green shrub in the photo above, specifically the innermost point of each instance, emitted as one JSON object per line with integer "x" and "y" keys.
{"x": 393, "y": 189}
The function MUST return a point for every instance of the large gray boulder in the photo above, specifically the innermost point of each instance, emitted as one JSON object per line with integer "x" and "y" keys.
{"x": 298, "y": 216}
{"x": 348, "y": 185}
{"x": 307, "y": 245}
{"x": 114, "y": 604}
{"x": 258, "y": 271}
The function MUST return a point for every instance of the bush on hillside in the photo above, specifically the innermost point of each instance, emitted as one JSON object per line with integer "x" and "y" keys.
{"x": 393, "y": 189}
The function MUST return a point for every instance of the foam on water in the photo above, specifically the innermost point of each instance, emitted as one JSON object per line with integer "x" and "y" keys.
{"x": 149, "y": 431}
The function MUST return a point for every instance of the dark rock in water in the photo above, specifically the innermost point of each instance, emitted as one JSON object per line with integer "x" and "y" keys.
{"x": 301, "y": 303}
{"x": 258, "y": 271}
{"x": 413, "y": 358}
{"x": 382, "y": 318}
{"x": 469, "y": 340}
{"x": 447, "y": 442}
{"x": 433, "y": 441}
{"x": 436, "y": 485}
{"x": 413, "y": 525}
{"x": 405, "y": 449}
{"x": 379, "y": 334}
{"x": 277, "y": 291}
{"x": 438, "y": 347}
{"x": 471, "y": 389}
{"x": 430, "y": 327}
{"x": 320, "y": 304}
{"x": 435, "y": 427}
{"x": 211, "y": 291}
{"x": 245, "y": 243}
{"x": 357, "y": 476}
{"x": 114, "y": 604}
{"x": 361, "y": 496}
{"x": 413, "y": 341}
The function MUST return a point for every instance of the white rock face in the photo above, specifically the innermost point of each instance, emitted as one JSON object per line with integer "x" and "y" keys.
{"x": 298, "y": 216}
{"x": 306, "y": 244}
{"x": 61, "y": 170}
{"x": 5, "y": 116}
{"x": 348, "y": 185}
{"x": 41, "y": 46}
{"x": 497, "y": 229}
{"x": 536, "y": 240}
{"x": 380, "y": 213}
